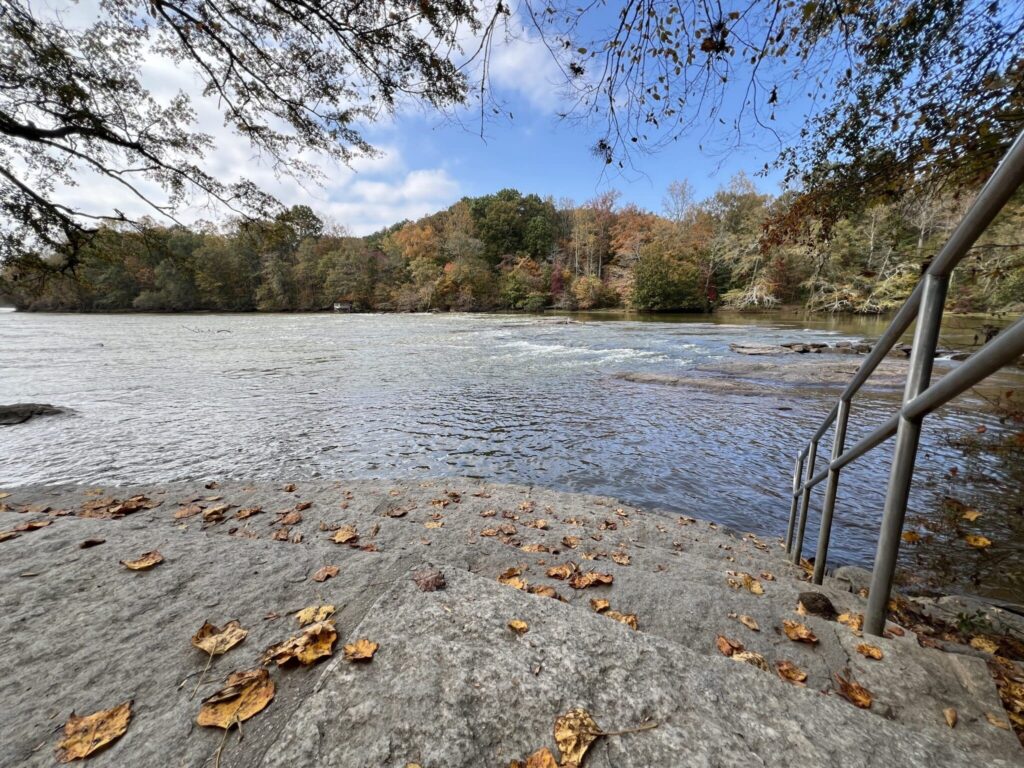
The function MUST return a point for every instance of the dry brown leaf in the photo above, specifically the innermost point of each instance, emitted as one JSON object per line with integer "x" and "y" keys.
{"x": 216, "y": 514}
{"x": 599, "y": 604}
{"x": 85, "y": 735}
{"x": 289, "y": 488}
{"x": 186, "y": 512}
{"x": 870, "y": 651}
{"x": 563, "y": 571}
{"x": 144, "y": 562}
{"x": 629, "y": 619}
{"x": 790, "y": 672}
{"x": 746, "y": 581}
{"x": 32, "y": 525}
{"x": 314, "y": 613}
{"x": 544, "y": 591}
{"x": 767, "y": 576}
{"x": 429, "y": 580}
{"x": 434, "y": 524}
{"x": 854, "y": 692}
{"x": 911, "y": 537}
{"x": 854, "y": 621}
{"x": 510, "y": 577}
{"x": 291, "y": 517}
{"x": 571, "y": 541}
{"x": 519, "y": 626}
{"x": 951, "y": 716}
{"x": 997, "y": 721}
{"x": 971, "y": 515}
{"x": 539, "y": 524}
{"x": 621, "y": 558}
{"x": 5, "y": 535}
{"x": 798, "y": 633}
{"x": 303, "y": 505}
{"x": 752, "y": 658}
{"x": 360, "y": 650}
{"x": 345, "y": 535}
{"x": 978, "y": 542}
{"x": 727, "y": 646}
{"x": 542, "y": 758}
{"x": 217, "y": 640}
{"x": 244, "y": 694}
{"x": 314, "y": 642}
{"x": 246, "y": 512}
{"x": 589, "y": 579}
{"x": 575, "y": 731}
{"x": 89, "y": 543}
{"x": 325, "y": 573}
{"x": 535, "y": 548}
{"x": 746, "y": 621}
{"x": 986, "y": 644}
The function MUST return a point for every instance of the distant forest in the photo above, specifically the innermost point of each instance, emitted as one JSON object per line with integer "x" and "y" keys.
{"x": 510, "y": 251}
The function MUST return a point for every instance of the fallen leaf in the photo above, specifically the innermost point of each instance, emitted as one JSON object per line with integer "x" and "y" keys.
{"x": 563, "y": 571}
{"x": 790, "y": 672}
{"x": 314, "y": 613}
{"x": 32, "y": 525}
{"x": 854, "y": 621}
{"x": 870, "y": 651}
{"x": 571, "y": 541}
{"x": 217, "y": 640}
{"x": 4, "y": 495}
{"x": 289, "y": 488}
{"x": 971, "y": 515}
{"x": 797, "y": 632}
{"x": 539, "y": 524}
{"x": 543, "y": 591}
{"x": 752, "y": 658}
{"x": 986, "y": 644}
{"x": 325, "y": 573}
{"x": 429, "y": 580}
{"x": 186, "y": 512}
{"x": 589, "y": 579}
{"x": 629, "y": 619}
{"x": 911, "y": 537}
{"x": 746, "y": 621}
{"x": 314, "y": 642}
{"x": 5, "y": 535}
{"x": 360, "y": 650}
{"x": 291, "y": 517}
{"x": 303, "y": 505}
{"x": 519, "y": 626}
{"x": 997, "y": 721}
{"x": 745, "y": 580}
{"x": 85, "y": 735}
{"x": 535, "y": 548}
{"x": 244, "y": 694}
{"x": 345, "y": 535}
{"x": 526, "y": 506}
{"x": 767, "y": 576}
{"x": 144, "y": 562}
{"x": 542, "y": 758}
{"x": 854, "y": 692}
{"x": 951, "y": 716}
{"x": 599, "y": 604}
{"x": 621, "y": 558}
{"x": 434, "y": 524}
{"x": 727, "y": 646}
{"x": 976, "y": 541}
{"x": 397, "y": 512}
{"x": 575, "y": 731}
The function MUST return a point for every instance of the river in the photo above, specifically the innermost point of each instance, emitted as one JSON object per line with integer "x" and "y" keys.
{"x": 510, "y": 398}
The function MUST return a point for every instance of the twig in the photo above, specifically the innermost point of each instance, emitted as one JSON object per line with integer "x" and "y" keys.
{"x": 202, "y": 676}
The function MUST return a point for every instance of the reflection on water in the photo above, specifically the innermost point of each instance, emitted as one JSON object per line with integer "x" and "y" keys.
{"x": 508, "y": 398}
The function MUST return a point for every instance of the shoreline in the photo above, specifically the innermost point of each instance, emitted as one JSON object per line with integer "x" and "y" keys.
{"x": 451, "y": 684}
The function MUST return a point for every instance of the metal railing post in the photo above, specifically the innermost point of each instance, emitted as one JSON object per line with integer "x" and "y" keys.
{"x": 831, "y": 487}
{"x": 798, "y": 470}
{"x": 805, "y": 500}
{"x": 908, "y": 433}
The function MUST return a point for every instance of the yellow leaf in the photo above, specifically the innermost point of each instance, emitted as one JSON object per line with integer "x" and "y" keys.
{"x": 621, "y": 558}
{"x": 314, "y": 613}
{"x": 951, "y": 717}
{"x": 519, "y": 626}
{"x": 854, "y": 621}
{"x": 911, "y": 537}
{"x": 755, "y": 659}
{"x": 870, "y": 651}
{"x": 144, "y": 562}
{"x": 434, "y": 524}
{"x": 978, "y": 542}
{"x": 797, "y": 632}
{"x": 563, "y": 571}
{"x": 790, "y": 672}
{"x": 345, "y": 535}
{"x": 746, "y": 621}
{"x": 575, "y": 731}
{"x": 971, "y": 515}
{"x": 245, "y": 694}
{"x": 854, "y": 692}
{"x": 314, "y": 642}
{"x": 510, "y": 577}
{"x": 986, "y": 644}
{"x": 997, "y": 721}
{"x": 571, "y": 541}
{"x": 589, "y": 579}
{"x": 85, "y": 735}
{"x": 543, "y": 591}
{"x": 360, "y": 650}
{"x": 599, "y": 604}
{"x": 629, "y": 619}
{"x": 215, "y": 640}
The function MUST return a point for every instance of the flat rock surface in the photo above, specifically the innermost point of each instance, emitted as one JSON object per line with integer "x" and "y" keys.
{"x": 451, "y": 684}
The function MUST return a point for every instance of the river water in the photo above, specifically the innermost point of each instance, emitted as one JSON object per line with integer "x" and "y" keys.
{"x": 520, "y": 399}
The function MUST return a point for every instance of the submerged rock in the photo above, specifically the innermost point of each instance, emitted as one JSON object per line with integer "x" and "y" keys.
{"x": 22, "y": 412}
{"x": 760, "y": 349}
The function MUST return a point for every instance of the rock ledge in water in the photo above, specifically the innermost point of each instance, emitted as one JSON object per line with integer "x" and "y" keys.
{"x": 22, "y": 412}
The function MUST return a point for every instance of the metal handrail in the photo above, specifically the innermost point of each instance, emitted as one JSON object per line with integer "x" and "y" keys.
{"x": 920, "y": 398}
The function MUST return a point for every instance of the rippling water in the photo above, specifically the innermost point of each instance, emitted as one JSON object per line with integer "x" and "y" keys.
{"x": 508, "y": 398}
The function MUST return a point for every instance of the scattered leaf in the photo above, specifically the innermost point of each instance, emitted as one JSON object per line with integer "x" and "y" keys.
{"x": 911, "y": 537}
{"x": 870, "y": 651}
{"x": 745, "y": 580}
{"x": 544, "y": 591}
{"x": 519, "y": 626}
{"x": 790, "y": 672}
{"x": 291, "y": 517}
{"x": 85, "y": 735}
{"x": 542, "y": 758}
{"x": 752, "y": 658}
{"x": 997, "y": 721}
{"x": 5, "y": 535}
{"x": 289, "y": 488}
{"x": 325, "y": 573}
{"x": 314, "y": 642}
{"x": 621, "y": 558}
{"x": 345, "y": 535}
{"x": 986, "y": 644}
{"x": 854, "y": 692}
{"x": 976, "y": 541}
{"x": 951, "y": 716}
{"x": 434, "y": 524}
{"x": 571, "y": 541}
{"x": 187, "y": 511}
{"x": 575, "y": 731}
{"x": 314, "y": 613}
{"x": 798, "y": 633}
{"x": 599, "y": 604}
{"x": 746, "y": 621}
{"x": 854, "y": 621}
{"x": 244, "y": 694}
{"x": 727, "y": 646}
{"x": 429, "y": 580}
{"x": 971, "y": 515}
{"x": 629, "y": 619}
{"x": 539, "y": 524}
{"x": 32, "y": 525}
{"x": 589, "y": 579}
{"x": 217, "y": 640}
{"x": 360, "y": 650}
{"x": 144, "y": 562}
{"x": 563, "y": 571}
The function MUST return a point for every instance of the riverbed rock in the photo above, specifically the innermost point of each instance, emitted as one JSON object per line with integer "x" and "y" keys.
{"x": 19, "y": 413}
{"x": 760, "y": 349}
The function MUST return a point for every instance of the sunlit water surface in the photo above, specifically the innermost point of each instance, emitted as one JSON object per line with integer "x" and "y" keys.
{"x": 515, "y": 399}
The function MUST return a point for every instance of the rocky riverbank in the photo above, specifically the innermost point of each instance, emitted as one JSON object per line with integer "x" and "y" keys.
{"x": 487, "y": 613}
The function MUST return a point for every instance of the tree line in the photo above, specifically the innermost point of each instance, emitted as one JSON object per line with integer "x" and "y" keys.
{"x": 514, "y": 251}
